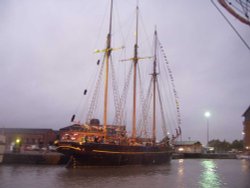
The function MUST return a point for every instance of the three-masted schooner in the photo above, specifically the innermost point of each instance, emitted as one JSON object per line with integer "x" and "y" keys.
{"x": 96, "y": 144}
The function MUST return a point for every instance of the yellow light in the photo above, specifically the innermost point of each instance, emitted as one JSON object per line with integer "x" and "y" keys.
{"x": 56, "y": 142}
{"x": 211, "y": 149}
{"x": 180, "y": 149}
{"x": 18, "y": 140}
{"x": 97, "y": 51}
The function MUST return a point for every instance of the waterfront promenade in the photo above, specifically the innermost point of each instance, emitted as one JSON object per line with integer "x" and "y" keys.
{"x": 34, "y": 157}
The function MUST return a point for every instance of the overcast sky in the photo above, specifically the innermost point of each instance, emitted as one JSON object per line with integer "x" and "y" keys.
{"x": 46, "y": 47}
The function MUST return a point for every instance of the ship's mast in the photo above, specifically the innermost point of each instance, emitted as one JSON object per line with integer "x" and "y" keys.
{"x": 135, "y": 61}
{"x": 154, "y": 75}
{"x": 107, "y": 57}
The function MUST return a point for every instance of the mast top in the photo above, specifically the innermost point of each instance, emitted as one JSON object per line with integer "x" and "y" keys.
{"x": 110, "y": 18}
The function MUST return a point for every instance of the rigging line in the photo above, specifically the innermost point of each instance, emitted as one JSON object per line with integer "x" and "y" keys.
{"x": 93, "y": 103}
{"x": 91, "y": 82}
{"x": 119, "y": 22}
{"x": 145, "y": 31}
{"x": 123, "y": 98}
{"x": 238, "y": 34}
{"x": 243, "y": 11}
{"x": 168, "y": 99}
{"x": 175, "y": 95}
{"x": 247, "y": 3}
{"x": 77, "y": 110}
{"x": 233, "y": 12}
{"x": 169, "y": 71}
{"x": 146, "y": 108}
{"x": 247, "y": 10}
{"x": 130, "y": 23}
{"x": 141, "y": 95}
{"x": 244, "y": 8}
{"x": 115, "y": 92}
{"x": 120, "y": 30}
{"x": 145, "y": 104}
{"x": 176, "y": 113}
{"x": 164, "y": 124}
{"x": 102, "y": 25}
{"x": 243, "y": 4}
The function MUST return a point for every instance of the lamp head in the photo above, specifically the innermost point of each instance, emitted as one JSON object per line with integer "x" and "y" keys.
{"x": 207, "y": 114}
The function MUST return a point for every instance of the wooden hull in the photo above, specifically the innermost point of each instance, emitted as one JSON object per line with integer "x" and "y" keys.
{"x": 92, "y": 154}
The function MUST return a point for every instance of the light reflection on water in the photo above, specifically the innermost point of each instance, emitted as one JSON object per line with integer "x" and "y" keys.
{"x": 209, "y": 176}
{"x": 181, "y": 173}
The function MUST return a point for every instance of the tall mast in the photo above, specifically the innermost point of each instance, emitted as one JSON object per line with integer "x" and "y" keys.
{"x": 107, "y": 56}
{"x": 135, "y": 59}
{"x": 154, "y": 75}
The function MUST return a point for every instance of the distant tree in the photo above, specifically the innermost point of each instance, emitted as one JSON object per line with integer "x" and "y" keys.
{"x": 224, "y": 146}
{"x": 220, "y": 146}
{"x": 237, "y": 144}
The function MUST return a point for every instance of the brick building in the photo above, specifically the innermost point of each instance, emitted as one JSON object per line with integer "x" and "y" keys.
{"x": 246, "y": 129}
{"x": 28, "y": 136}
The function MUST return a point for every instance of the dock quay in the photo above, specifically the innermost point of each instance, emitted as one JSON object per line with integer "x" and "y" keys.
{"x": 54, "y": 158}
{"x": 204, "y": 156}
{"x": 34, "y": 157}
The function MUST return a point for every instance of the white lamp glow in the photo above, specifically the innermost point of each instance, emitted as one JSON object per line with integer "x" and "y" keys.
{"x": 207, "y": 114}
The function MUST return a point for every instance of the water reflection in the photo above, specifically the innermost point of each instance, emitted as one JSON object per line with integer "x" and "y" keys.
{"x": 125, "y": 176}
{"x": 194, "y": 173}
{"x": 245, "y": 166}
{"x": 209, "y": 176}
{"x": 119, "y": 171}
{"x": 180, "y": 173}
{"x": 181, "y": 167}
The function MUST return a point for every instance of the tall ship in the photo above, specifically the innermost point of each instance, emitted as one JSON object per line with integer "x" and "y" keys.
{"x": 130, "y": 139}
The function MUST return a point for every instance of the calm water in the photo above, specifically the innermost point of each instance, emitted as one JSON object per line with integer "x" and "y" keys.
{"x": 188, "y": 173}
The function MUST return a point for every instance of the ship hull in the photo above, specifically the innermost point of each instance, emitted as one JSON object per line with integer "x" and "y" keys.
{"x": 114, "y": 155}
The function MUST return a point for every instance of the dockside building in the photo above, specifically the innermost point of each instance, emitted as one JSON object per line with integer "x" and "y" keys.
{"x": 246, "y": 129}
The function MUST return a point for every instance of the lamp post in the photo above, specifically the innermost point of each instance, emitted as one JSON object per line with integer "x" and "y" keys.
{"x": 207, "y": 115}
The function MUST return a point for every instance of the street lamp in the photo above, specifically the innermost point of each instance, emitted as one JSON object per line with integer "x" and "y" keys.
{"x": 207, "y": 115}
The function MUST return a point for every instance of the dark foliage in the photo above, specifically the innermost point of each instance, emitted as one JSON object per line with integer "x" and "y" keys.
{"x": 224, "y": 146}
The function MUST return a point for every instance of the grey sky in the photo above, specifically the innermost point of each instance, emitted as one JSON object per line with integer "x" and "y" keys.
{"x": 46, "y": 47}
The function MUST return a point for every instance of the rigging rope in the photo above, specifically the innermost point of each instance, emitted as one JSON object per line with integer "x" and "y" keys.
{"x": 231, "y": 25}
{"x": 164, "y": 124}
{"x": 243, "y": 6}
{"x": 235, "y": 10}
{"x": 102, "y": 24}
{"x": 115, "y": 92}
{"x": 173, "y": 84}
{"x": 94, "y": 100}
{"x": 145, "y": 105}
{"x": 122, "y": 101}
